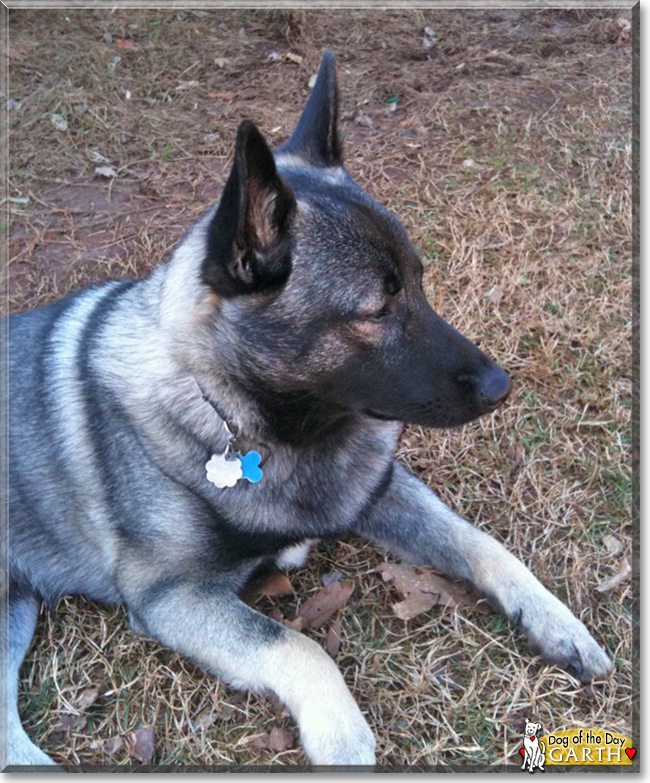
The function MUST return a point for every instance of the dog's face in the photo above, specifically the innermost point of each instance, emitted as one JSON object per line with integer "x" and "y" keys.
{"x": 323, "y": 288}
{"x": 532, "y": 728}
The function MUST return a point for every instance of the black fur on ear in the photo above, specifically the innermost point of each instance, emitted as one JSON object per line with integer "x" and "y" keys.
{"x": 316, "y": 136}
{"x": 249, "y": 246}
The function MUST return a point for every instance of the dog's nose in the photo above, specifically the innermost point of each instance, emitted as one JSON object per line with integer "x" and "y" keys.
{"x": 490, "y": 386}
{"x": 493, "y": 387}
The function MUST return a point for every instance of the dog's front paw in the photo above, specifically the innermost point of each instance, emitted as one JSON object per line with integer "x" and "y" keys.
{"x": 341, "y": 738}
{"x": 562, "y": 639}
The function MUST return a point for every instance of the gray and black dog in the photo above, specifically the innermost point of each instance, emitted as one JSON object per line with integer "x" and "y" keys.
{"x": 292, "y": 315}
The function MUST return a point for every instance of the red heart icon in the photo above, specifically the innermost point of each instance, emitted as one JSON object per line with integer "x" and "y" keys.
{"x": 631, "y": 752}
{"x": 523, "y": 752}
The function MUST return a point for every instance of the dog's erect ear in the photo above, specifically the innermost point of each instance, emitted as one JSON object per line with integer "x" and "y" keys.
{"x": 249, "y": 248}
{"x": 316, "y": 136}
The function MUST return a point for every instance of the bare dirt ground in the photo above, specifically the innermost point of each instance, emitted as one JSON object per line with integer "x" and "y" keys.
{"x": 505, "y": 147}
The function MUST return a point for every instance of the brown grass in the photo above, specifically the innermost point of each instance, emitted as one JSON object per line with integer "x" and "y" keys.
{"x": 528, "y": 249}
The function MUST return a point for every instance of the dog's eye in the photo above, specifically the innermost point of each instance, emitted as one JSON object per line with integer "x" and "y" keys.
{"x": 380, "y": 314}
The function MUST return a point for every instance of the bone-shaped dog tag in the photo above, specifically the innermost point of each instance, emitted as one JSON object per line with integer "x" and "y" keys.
{"x": 223, "y": 471}
{"x": 250, "y": 464}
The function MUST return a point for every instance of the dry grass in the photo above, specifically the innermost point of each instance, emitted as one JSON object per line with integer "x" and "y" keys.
{"x": 529, "y": 254}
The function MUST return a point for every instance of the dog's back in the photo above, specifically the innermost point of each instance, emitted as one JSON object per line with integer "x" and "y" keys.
{"x": 56, "y": 498}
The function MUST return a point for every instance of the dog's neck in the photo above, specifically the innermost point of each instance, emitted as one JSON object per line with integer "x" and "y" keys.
{"x": 272, "y": 420}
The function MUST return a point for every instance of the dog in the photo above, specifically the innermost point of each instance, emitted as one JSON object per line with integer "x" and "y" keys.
{"x": 534, "y": 749}
{"x": 171, "y": 435}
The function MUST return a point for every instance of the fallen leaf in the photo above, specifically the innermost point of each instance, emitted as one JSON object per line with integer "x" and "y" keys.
{"x": 280, "y": 740}
{"x": 414, "y": 605}
{"x": 261, "y": 742}
{"x": 143, "y": 745}
{"x": 319, "y": 608}
{"x": 106, "y": 171}
{"x": 225, "y": 95}
{"x": 68, "y": 722}
{"x": 276, "y": 583}
{"x": 426, "y": 590}
{"x": 299, "y": 624}
{"x": 334, "y": 637}
{"x": 612, "y": 545}
{"x": 112, "y": 745}
{"x": 614, "y": 581}
{"x": 125, "y": 43}
{"x": 87, "y": 698}
{"x": 294, "y": 58}
{"x": 59, "y": 122}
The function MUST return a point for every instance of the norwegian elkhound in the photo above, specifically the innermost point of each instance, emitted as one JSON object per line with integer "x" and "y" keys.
{"x": 170, "y": 435}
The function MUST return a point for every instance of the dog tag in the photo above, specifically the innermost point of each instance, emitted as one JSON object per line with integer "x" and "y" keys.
{"x": 223, "y": 471}
{"x": 250, "y": 465}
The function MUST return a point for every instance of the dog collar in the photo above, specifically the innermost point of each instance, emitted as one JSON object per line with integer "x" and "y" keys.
{"x": 226, "y": 469}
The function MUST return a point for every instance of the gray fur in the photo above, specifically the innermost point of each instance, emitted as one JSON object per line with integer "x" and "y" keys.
{"x": 114, "y": 395}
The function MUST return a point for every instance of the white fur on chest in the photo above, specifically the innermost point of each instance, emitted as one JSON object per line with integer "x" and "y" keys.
{"x": 295, "y": 555}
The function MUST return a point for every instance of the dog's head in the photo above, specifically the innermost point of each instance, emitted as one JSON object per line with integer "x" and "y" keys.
{"x": 323, "y": 290}
{"x": 532, "y": 728}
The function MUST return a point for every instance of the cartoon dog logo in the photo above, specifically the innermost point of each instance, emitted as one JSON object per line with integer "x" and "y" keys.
{"x": 533, "y": 750}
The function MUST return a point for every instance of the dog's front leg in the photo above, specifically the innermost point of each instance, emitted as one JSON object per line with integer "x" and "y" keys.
{"x": 412, "y": 521}
{"x": 213, "y": 627}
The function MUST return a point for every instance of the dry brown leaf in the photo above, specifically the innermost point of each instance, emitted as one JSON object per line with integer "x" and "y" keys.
{"x": 280, "y": 740}
{"x": 299, "y": 624}
{"x": 443, "y": 591}
{"x": 143, "y": 745}
{"x": 334, "y": 637}
{"x": 261, "y": 742}
{"x": 318, "y": 609}
{"x": 68, "y": 722}
{"x": 414, "y": 605}
{"x": 225, "y": 95}
{"x": 614, "y": 581}
{"x": 87, "y": 698}
{"x": 276, "y": 614}
{"x": 124, "y": 43}
{"x": 112, "y": 745}
{"x": 276, "y": 583}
